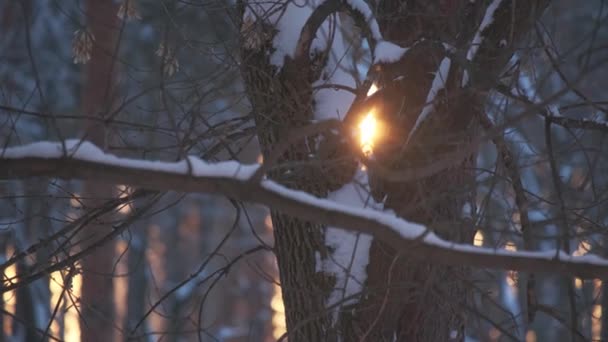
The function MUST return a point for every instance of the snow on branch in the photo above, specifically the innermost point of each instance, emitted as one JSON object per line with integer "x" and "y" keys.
{"x": 387, "y": 52}
{"x": 578, "y": 123}
{"x": 297, "y": 23}
{"x": 487, "y": 20}
{"x": 82, "y": 160}
{"x": 289, "y": 18}
{"x": 441, "y": 77}
{"x": 363, "y": 8}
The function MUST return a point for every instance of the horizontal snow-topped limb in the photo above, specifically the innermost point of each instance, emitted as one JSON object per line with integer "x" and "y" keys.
{"x": 86, "y": 151}
{"x": 488, "y": 19}
{"x": 441, "y": 76}
{"x": 387, "y": 52}
{"x": 288, "y": 17}
{"x": 231, "y": 179}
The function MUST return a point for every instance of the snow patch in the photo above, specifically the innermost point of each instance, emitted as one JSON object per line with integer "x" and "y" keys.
{"x": 350, "y": 255}
{"x": 554, "y": 110}
{"x": 334, "y": 103}
{"x": 488, "y": 19}
{"x": 438, "y": 84}
{"x": 289, "y": 17}
{"x": 387, "y": 52}
{"x": 362, "y": 7}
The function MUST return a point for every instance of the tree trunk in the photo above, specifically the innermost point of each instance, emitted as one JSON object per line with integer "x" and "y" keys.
{"x": 282, "y": 104}
{"x": 403, "y": 299}
{"x": 97, "y": 287}
{"x": 137, "y": 288}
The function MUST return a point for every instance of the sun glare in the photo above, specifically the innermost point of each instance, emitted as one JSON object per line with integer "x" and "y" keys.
{"x": 372, "y": 89}
{"x": 368, "y": 131}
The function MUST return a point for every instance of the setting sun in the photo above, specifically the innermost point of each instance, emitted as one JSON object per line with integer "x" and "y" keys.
{"x": 368, "y": 131}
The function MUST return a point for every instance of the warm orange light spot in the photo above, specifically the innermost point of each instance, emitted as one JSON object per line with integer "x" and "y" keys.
{"x": 8, "y": 297}
{"x": 75, "y": 201}
{"x": 583, "y": 248}
{"x": 72, "y": 315}
{"x": 56, "y": 288}
{"x": 530, "y": 336}
{"x": 268, "y": 222}
{"x": 65, "y": 286}
{"x": 510, "y": 246}
{"x": 478, "y": 239}
{"x": 368, "y": 133}
{"x": 124, "y": 191}
{"x": 121, "y": 288}
{"x": 494, "y": 334}
{"x": 278, "y": 313}
{"x": 511, "y": 275}
{"x": 596, "y": 312}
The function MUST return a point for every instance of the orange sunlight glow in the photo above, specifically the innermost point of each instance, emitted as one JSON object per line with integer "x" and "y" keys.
{"x": 583, "y": 248}
{"x": 8, "y": 297}
{"x": 56, "y": 288}
{"x": 124, "y": 191}
{"x": 596, "y": 312}
{"x": 278, "y": 313}
{"x": 368, "y": 132}
{"x": 530, "y": 336}
{"x": 478, "y": 239}
{"x": 511, "y": 275}
{"x": 121, "y": 287}
{"x": 72, "y": 315}
{"x": 68, "y": 315}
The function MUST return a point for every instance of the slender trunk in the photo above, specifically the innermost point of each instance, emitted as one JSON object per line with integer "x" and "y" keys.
{"x": 33, "y": 300}
{"x": 174, "y": 275}
{"x": 97, "y": 99}
{"x": 297, "y": 242}
{"x": 604, "y": 305}
{"x": 136, "y": 293}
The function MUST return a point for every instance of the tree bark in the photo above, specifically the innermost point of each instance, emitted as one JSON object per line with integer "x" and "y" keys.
{"x": 403, "y": 299}
{"x": 283, "y": 102}
{"x": 97, "y": 98}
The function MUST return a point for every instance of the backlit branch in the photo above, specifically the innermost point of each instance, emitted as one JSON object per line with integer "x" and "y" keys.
{"x": 85, "y": 161}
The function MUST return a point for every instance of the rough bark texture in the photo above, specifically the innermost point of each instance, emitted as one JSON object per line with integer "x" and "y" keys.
{"x": 281, "y": 103}
{"x": 404, "y": 300}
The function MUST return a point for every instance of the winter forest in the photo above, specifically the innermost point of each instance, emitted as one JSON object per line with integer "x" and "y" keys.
{"x": 304, "y": 170}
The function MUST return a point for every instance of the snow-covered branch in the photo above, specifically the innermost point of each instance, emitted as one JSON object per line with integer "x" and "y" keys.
{"x": 441, "y": 77}
{"x": 82, "y": 160}
{"x": 488, "y": 19}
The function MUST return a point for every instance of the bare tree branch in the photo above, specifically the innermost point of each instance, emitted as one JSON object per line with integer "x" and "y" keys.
{"x": 415, "y": 240}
